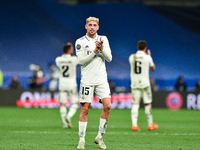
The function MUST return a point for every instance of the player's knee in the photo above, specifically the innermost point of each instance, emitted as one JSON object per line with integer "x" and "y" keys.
{"x": 85, "y": 111}
{"x": 107, "y": 107}
{"x": 62, "y": 104}
{"x": 135, "y": 108}
{"x": 74, "y": 106}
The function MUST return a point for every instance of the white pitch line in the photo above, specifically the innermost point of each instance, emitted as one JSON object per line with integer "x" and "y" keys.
{"x": 113, "y": 133}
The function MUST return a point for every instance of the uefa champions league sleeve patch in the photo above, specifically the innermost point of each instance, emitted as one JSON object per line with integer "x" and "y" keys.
{"x": 78, "y": 46}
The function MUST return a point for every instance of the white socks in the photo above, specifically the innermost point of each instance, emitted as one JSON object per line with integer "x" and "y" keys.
{"x": 134, "y": 114}
{"x": 82, "y": 130}
{"x": 72, "y": 110}
{"x": 149, "y": 115}
{"x": 83, "y": 126}
{"x": 63, "y": 112}
{"x": 102, "y": 126}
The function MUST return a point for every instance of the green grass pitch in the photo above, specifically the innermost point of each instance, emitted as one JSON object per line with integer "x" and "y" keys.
{"x": 41, "y": 129}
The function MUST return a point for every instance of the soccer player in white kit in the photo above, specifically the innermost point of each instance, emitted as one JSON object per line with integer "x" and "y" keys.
{"x": 140, "y": 84}
{"x": 67, "y": 84}
{"x": 92, "y": 50}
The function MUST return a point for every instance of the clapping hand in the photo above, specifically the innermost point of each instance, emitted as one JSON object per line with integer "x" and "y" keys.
{"x": 99, "y": 44}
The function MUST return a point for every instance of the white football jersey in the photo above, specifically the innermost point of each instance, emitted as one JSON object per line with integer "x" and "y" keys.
{"x": 140, "y": 63}
{"x": 93, "y": 69}
{"x": 67, "y": 72}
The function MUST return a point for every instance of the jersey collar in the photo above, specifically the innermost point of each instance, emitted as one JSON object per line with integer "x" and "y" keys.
{"x": 141, "y": 52}
{"x": 68, "y": 55}
{"x": 89, "y": 39}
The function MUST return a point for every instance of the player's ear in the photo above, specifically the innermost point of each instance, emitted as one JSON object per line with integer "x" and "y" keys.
{"x": 98, "y": 27}
{"x": 86, "y": 26}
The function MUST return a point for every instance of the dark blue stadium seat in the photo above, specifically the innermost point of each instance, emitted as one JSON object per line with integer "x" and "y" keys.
{"x": 34, "y": 32}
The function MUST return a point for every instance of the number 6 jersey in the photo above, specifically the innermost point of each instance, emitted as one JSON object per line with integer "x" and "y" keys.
{"x": 67, "y": 72}
{"x": 140, "y": 63}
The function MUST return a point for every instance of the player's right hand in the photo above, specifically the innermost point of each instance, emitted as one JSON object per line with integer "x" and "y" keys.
{"x": 149, "y": 52}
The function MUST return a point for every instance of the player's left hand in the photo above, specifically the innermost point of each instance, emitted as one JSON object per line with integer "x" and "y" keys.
{"x": 99, "y": 44}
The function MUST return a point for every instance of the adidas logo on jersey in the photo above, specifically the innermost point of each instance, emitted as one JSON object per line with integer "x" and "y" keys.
{"x": 87, "y": 46}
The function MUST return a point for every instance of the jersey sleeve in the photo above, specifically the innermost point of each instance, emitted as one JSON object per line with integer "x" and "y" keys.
{"x": 106, "y": 50}
{"x": 75, "y": 60}
{"x": 82, "y": 59}
{"x": 56, "y": 60}
{"x": 151, "y": 63}
{"x": 130, "y": 59}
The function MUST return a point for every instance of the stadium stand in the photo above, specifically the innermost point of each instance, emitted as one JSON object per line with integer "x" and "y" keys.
{"x": 34, "y": 32}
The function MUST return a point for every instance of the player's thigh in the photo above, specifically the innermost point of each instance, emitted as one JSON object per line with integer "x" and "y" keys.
{"x": 86, "y": 93}
{"x": 147, "y": 95}
{"x": 63, "y": 96}
{"x": 73, "y": 94}
{"x": 136, "y": 95}
{"x": 102, "y": 91}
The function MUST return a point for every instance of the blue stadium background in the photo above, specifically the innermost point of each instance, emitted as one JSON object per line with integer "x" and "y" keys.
{"x": 34, "y": 32}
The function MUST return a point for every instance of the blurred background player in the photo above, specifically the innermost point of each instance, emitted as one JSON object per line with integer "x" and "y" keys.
{"x": 140, "y": 84}
{"x": 92, "y": 50}
{"x": 67, "y": 84}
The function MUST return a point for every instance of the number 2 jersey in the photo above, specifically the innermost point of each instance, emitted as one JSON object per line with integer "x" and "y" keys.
{"x": 67, "y": 72}
{"x": 140, "y": 63}
{"x": 93, "y": 69}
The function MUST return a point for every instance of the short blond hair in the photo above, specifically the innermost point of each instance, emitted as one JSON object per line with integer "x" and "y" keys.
{"x": 92, "y": 19}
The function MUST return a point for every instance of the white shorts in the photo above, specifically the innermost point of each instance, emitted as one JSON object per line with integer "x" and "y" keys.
{"x": 73, "y": 95}
{"x": 144, "y": 93}
{"x": 87, "y": 92}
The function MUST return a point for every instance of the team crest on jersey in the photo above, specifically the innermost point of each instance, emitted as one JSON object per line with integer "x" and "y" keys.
{"x": 83, "y": 97}
{"x": 78, "y": 47}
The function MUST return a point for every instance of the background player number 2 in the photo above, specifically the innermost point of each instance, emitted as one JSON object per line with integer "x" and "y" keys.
{"x": 65, "y": 69}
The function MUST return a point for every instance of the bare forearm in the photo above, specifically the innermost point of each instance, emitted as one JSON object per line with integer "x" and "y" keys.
{"x": 153, "y": 68}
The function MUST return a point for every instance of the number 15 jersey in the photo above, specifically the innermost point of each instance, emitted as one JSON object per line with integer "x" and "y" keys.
{"x": 67, "y": 72}
{"x": 93, "y": 69}
{"x": 140, "y": 63}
